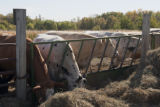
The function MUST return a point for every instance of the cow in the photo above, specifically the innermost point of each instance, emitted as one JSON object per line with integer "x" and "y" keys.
{"x": 131, "y": 52}
{"x": 44, "y": 85}
{"x": 122, "y": 43}
{"x": 71, "y": 70}
{"x": 85, "y": 53}
{"x": 98, "y": 33}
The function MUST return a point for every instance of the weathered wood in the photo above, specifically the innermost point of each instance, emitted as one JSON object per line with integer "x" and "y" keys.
{"x": 145, "y": 38}
{"x": 20, "y": 15}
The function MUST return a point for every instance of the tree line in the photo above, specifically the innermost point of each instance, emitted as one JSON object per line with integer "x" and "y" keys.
{"x": 110, "y": 20}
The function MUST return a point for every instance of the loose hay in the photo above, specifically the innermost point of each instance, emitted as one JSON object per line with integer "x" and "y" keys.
{"x": 141, "y": 89}
{"x": 82, "y": 98}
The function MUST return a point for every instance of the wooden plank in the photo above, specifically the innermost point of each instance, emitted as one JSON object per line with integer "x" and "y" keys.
{"x": 20, "y": 15}
{"x": 145, "y": 38}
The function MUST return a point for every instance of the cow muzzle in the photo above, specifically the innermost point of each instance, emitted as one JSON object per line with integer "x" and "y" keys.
{"x": 81, "y": 81}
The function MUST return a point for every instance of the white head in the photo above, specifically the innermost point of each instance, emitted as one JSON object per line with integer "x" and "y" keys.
{"x": 69, "y": 70}
{"x": 73, "y": 74}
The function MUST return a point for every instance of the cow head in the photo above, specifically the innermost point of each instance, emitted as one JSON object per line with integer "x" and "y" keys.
{"x": 67, "y": 70}
{"x": 71, "y": 70}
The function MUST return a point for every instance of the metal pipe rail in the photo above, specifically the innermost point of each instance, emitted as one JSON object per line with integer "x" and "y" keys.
{"x": 7, "y": 72}
{"x": 7, "y": 59}
{"x": 10, "y": 44}
{"x": 76, "y": 40}
{"x": 80, "y": 49}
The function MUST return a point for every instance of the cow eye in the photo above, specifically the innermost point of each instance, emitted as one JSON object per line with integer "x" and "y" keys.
{"x": 65, "y": 71}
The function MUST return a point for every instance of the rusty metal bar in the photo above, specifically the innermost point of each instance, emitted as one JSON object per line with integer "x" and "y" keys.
{"x": 95, "y": 41}
{"x": 80, "y": 49}
{"x": 135, "y": 50}
{"x": 49, "y": 54}
{"x": 4, "y": 44}
{"x": 7, "y": 59}
{"x": 32, "y": 67}
{"x": 64, "y": 54}
{"x": 7, "y": 84}
{"x": 125, "y": 51}
{"x": 75, "y": 40}
{"x": 114, "y": 53}
{"x": 7, "y": 72}
{"x": 103, "y": 54}
{"x": 153, "y": 41}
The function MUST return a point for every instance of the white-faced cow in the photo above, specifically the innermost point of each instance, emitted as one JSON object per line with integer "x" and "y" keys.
{"x": 69, "y": 70}
{"x": 87, "y": 47}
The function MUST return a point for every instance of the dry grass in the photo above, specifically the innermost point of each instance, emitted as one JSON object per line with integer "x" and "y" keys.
{"x": 141, "y": 89}
{"x": 30, "y": 33}
{"x": 82, "y": 98}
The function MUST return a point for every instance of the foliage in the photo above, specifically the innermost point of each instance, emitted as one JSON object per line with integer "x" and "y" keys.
{"x": 108, "y": 20}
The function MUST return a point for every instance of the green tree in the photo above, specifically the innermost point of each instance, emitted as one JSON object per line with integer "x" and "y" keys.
{"x": 66, "y": 25}
{"x": 2, "y": 27}
{"x": 50, "y": 25}
{"x": 86, "y": 23}
{"x": 30, "y": 26}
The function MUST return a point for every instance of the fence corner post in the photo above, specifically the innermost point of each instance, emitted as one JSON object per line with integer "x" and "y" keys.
{"x": 20, "y": 21}
{"x": 145, "y": 38}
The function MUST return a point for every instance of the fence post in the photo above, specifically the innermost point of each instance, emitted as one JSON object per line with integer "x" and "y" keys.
{"x": 153, "y": 41}
{"x": 20, "y": 21}
{"x": 145, "y": 38}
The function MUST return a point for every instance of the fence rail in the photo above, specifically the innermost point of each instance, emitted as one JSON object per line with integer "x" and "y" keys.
{"x": 92, "y": 50}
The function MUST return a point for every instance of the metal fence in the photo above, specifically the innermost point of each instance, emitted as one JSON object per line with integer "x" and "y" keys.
{"x": 117, "y": 38}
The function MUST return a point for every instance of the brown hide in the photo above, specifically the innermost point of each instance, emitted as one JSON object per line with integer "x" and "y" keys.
{"x": 40, "y": 68}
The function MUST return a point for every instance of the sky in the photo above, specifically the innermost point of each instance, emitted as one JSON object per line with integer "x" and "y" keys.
{"x": 66, "y": 10}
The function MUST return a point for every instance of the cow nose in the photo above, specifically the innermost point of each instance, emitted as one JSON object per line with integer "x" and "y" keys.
{"x": 84, "y": 80}
{"x": 79, "y": 78}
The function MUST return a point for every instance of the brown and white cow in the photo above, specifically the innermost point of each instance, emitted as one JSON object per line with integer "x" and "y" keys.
{"x": 87, "y": 47}
{"x": 69, "y": 70}
{"x": 41, "y": 76}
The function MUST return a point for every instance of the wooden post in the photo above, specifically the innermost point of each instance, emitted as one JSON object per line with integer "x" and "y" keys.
{"x": 145, "y": 38}
{"x": 153, "y": 41}
{"x": 20, "y": 21}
